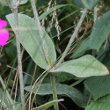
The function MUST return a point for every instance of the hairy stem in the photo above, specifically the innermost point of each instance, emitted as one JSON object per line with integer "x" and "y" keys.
{"x": 20, "y": 72}
{"x": 41, "y": 32}
{"x": 54, "y": 90}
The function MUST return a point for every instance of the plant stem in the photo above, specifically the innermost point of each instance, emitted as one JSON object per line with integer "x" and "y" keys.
{"x": 95, "y": 13}
{"x": 54, "y": 90}
{"x": 20, "y": 72}
{"x": 41, "y": 32}
{"x": 74, "y": 35}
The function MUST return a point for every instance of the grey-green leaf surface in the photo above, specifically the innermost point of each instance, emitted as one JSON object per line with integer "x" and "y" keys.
{"x": 30, "y": 39}
{"x": 46, "y": 89}
{"x": 99, "y": 34}
{"x": 98, "y": 86}
{"x": 89, "y": 3}
{"x": 101, "y": 104}
{"x": 85, "y": 66}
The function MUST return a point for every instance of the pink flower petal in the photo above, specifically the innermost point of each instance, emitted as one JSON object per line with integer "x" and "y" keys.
{"x": 3, "y": 23}
{"x": 4, "y": 37}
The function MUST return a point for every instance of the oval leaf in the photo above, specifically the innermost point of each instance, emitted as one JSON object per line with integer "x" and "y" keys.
{"x": 72, "y": 93}
{"x": 30, "y": 39}
{"x": 85, "y": 66}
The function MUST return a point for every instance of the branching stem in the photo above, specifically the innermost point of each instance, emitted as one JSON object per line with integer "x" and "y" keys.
{"x": 74, "y": 35}
{"x": 20, "y": 72}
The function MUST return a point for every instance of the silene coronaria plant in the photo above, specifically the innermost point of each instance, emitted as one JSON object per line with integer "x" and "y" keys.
{"x": 58, "y": 55}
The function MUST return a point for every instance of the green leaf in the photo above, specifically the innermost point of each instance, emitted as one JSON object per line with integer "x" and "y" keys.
{"x": 98, "y": 86}
{"x": 100, "y": 32}
{"x": 30, "y": 39}
{"x": 101, "y": 104}
{"x": 46, "y": 13}
{"x": 72, "y": 93}
{"x": 47, "y": 105}
{"x": 62, "y": 77}
{"x": 78, "y": 3}
{"x": 89, "y": 3}
{"x": 85, "y": 66}
{"x": 86, "y": 3}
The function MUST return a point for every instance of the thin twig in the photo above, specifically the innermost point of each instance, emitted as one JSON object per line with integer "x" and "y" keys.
{"x": 74, "y": 35}
{"x": 30, "y": 104}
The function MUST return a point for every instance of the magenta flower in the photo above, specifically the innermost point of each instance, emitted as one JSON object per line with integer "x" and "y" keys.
{"x": 4, "y": 34}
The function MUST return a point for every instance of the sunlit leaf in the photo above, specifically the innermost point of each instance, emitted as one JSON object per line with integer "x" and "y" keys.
{"x": 85, "y": 66}
{"x": 30, "y": 39}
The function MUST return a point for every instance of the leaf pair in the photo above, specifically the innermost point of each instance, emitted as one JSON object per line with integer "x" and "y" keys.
{"x": 29, "y": 37}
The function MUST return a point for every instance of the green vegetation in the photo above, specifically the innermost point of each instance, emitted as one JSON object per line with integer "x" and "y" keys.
{"x": 58, "y": 55}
